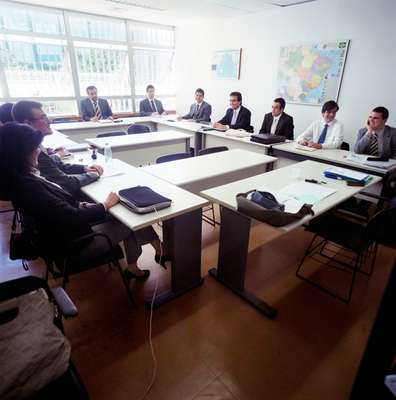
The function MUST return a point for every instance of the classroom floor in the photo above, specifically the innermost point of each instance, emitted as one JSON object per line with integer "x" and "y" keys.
{"x": 209, "y": 343}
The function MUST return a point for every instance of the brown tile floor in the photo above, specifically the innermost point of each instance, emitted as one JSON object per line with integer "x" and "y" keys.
{"x": 211, "y": 345}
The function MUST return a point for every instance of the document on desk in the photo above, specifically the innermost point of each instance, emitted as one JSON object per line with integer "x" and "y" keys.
{"x": 308, "y": 193}
{"x": 362, "y": 159}
{"x": 111, "y": 170}
{"x": 305, "y": 148}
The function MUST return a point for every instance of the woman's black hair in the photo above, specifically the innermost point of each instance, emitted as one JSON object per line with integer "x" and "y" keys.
{"x": 17, "y": 143}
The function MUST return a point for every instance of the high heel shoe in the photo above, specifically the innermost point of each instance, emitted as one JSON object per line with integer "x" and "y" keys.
{"x": 129, "y": 275}
{"x": 164, "y": 259}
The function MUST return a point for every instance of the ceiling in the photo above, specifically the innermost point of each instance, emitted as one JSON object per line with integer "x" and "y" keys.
{"x": 171, "y": 12}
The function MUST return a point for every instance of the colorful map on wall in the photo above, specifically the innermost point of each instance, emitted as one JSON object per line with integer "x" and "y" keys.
{"x": 226, "y": 64}
{"x": 311, "y": 73}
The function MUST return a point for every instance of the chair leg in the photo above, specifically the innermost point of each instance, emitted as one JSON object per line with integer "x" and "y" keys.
{"x": 354, "y": 272}
{"x": 307, "y": 251}
{"x": 126, "y": 284}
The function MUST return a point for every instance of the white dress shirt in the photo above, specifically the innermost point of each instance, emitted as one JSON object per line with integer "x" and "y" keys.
{"x": 152, "y": 102}
{"x": 334, "y": 136}
{"x": 274, "y": 125}
{"x": 235, "y": 115}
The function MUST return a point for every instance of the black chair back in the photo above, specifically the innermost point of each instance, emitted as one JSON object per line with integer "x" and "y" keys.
{"x": 211, "y": 150}
{"x": 172, "y": 157}
{"x": 344, "y": 146}
{"x": 381, "y": 227}
{"x": 109, "y": 134}
{"x": 136, "y": 128}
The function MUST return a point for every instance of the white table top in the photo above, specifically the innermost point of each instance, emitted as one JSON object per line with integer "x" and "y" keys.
{"x": 183, "y": 124}
{"x": 183, "y": 201}
{"x": 181, "y": 172}
{"x": 279, "y": 178}
{"x": 70, "y": 126}
{"x": 330, "y": 155}
{"x": 138, "y": 139}
{"x": 236, "y": 139}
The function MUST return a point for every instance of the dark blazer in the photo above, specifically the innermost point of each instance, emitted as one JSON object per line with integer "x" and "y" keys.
{"x": 56, "y": 214}
{"x": 204, "y": 112}
{"x": 242, "y": 122}
{"x": 87, "y": 111}
{"x": 145, "y": 107}
{"x": 70, "y": 176}
{"x": 285, "y": 125}
{"x": 386, "y": 142}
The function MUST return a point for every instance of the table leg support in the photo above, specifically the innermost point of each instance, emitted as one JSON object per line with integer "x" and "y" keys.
{"x": 182, "y": 238}
{"x": 233, "y": 252}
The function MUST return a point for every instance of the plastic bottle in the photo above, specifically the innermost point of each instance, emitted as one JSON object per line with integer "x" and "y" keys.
{"x": 94, "y": 156}
{"x": 108, "y": 154}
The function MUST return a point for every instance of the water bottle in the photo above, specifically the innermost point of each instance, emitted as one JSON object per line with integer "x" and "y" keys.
{"x": 94, "y": 156}
{"x": 108, "y": 154}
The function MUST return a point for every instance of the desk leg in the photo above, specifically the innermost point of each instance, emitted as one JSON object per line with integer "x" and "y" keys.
{"x": 182, "y": 238}
{"x": 233, "y": 252}
{"x": 198, "y": 142}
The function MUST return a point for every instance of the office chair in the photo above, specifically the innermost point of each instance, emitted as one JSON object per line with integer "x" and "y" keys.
{"x": 210, "y": 150}
{"x": 40, "y": 317}
{"x": 348, "y": 245}
{"x": 344, "y": 146}
{"x": 110, "y": 134}
{"x": 172, "y": 157}
{"x": 136, "y": 128}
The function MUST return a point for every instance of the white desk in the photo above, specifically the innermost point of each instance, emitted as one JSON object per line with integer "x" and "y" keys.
{"x": 203, "y": 172}
{"x": 144, "y": 148}
{"x": 181, "y": 223}
{"x": 235, "y": 227}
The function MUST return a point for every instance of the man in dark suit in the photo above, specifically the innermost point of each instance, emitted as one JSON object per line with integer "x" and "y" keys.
{"x": 278, "y": 122}
{"x": 70, "y": 177}
{"x": 150, "y": 105}
{"x": 94, "y": 108}
{"x": 377, "y": 139}
{"x": 237, "y": 117}
{"x": 201, "y": 110}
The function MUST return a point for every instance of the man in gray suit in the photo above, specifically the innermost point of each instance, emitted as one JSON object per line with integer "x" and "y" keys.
{"x": 201, "y": 110}
{"x": 94, "y": 108}
{"x": 377, "y": 139}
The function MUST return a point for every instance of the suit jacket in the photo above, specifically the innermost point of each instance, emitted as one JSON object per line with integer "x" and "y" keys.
{"x": 285, "y": 125}
{"x": 145, "y": 107}
{"x": 56, "y": 214}
{"x": 204, "y": 112}
{"x": 70, "y": 176}
{"x": 242, "y": 122}
{"x": 386, "y": 142}
{"x": 87, "y": 110}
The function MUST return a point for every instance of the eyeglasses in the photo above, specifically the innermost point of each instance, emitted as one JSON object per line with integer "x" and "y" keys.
{"x": 43, "y": 117}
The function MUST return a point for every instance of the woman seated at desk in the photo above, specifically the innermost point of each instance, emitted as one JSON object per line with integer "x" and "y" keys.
{"x": 58, "y": 217}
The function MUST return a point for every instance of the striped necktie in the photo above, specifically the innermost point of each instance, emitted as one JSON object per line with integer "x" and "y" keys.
{"x": 97, "y": 110}
{"x": 373, "y": 148}
{"x": 323, "y": 134}
{"x": 153, "y": 108}
{"x": 195, "y": 115}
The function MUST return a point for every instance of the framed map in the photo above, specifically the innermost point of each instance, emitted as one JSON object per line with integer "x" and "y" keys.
{"x": 311, "y": 73}
{"x": 226, "y": 64}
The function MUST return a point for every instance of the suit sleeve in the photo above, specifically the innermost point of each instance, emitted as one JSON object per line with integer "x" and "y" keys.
{"x": 189, "y": 115}
{"x": 224, "y": 120}
{"x": 142, "y": 109}
{"x": 362, "y": 142}
{"x": 84, "y": 111}
{"x": 160, "y": 107}
{"x": 109, "y": 112}
{"x": 393, "y": 145}
{"x": 288, "y": 131}
{"x": 263, "y": 125}
{"x": 207, "y": 112}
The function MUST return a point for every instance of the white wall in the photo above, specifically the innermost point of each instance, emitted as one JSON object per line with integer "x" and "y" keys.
{"x": 369, "y": 76}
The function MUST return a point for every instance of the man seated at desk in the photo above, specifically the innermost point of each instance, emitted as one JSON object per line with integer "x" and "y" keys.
{"x": 71, "y": 177}
{"x": 325, "y": 133}
{"x": 200, "y": 110}
{"x": 150, "y": 105}
{"x": 237, "y": 116}
{"x": 94, "y": 108}
{"x": 278, "y": 122}
{"x": 377, "y": 139}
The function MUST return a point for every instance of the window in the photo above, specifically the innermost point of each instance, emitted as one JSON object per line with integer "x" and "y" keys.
{"x": 154, "y": 67}
{"x": 104, "y": 66}
{"x": 37, "y": 45}
{"x": 36, "y": 67}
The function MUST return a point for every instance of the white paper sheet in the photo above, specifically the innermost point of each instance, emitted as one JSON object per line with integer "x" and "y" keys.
{"x": 305, "y": 192}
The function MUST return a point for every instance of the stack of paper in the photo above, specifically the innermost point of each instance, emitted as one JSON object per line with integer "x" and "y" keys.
{"x": 305, "y": 148}
{"x": 346, "y": 174}
{"x": 363, "y": 159}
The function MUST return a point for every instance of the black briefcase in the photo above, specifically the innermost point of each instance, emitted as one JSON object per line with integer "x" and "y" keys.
{"x": 267, "y": 138}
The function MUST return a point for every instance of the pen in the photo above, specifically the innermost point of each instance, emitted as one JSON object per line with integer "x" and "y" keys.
{"x": 315, "y": 181}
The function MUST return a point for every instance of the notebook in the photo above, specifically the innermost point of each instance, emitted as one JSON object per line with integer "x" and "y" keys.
{"x": 142, "y": 199}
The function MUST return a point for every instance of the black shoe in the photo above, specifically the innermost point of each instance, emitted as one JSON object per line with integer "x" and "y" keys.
{"x": 164, "y": 259}
{"x": 129, "y": 275}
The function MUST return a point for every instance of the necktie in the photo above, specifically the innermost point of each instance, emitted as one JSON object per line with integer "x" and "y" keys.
{"x": 373, "y": 149}
{"x": 153, "y": 106}
{"x": 323, "y": 134}
{"x": 234, "y": 118}
{"x": 196, "y": 111}
{"x": 97, "y": 110}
